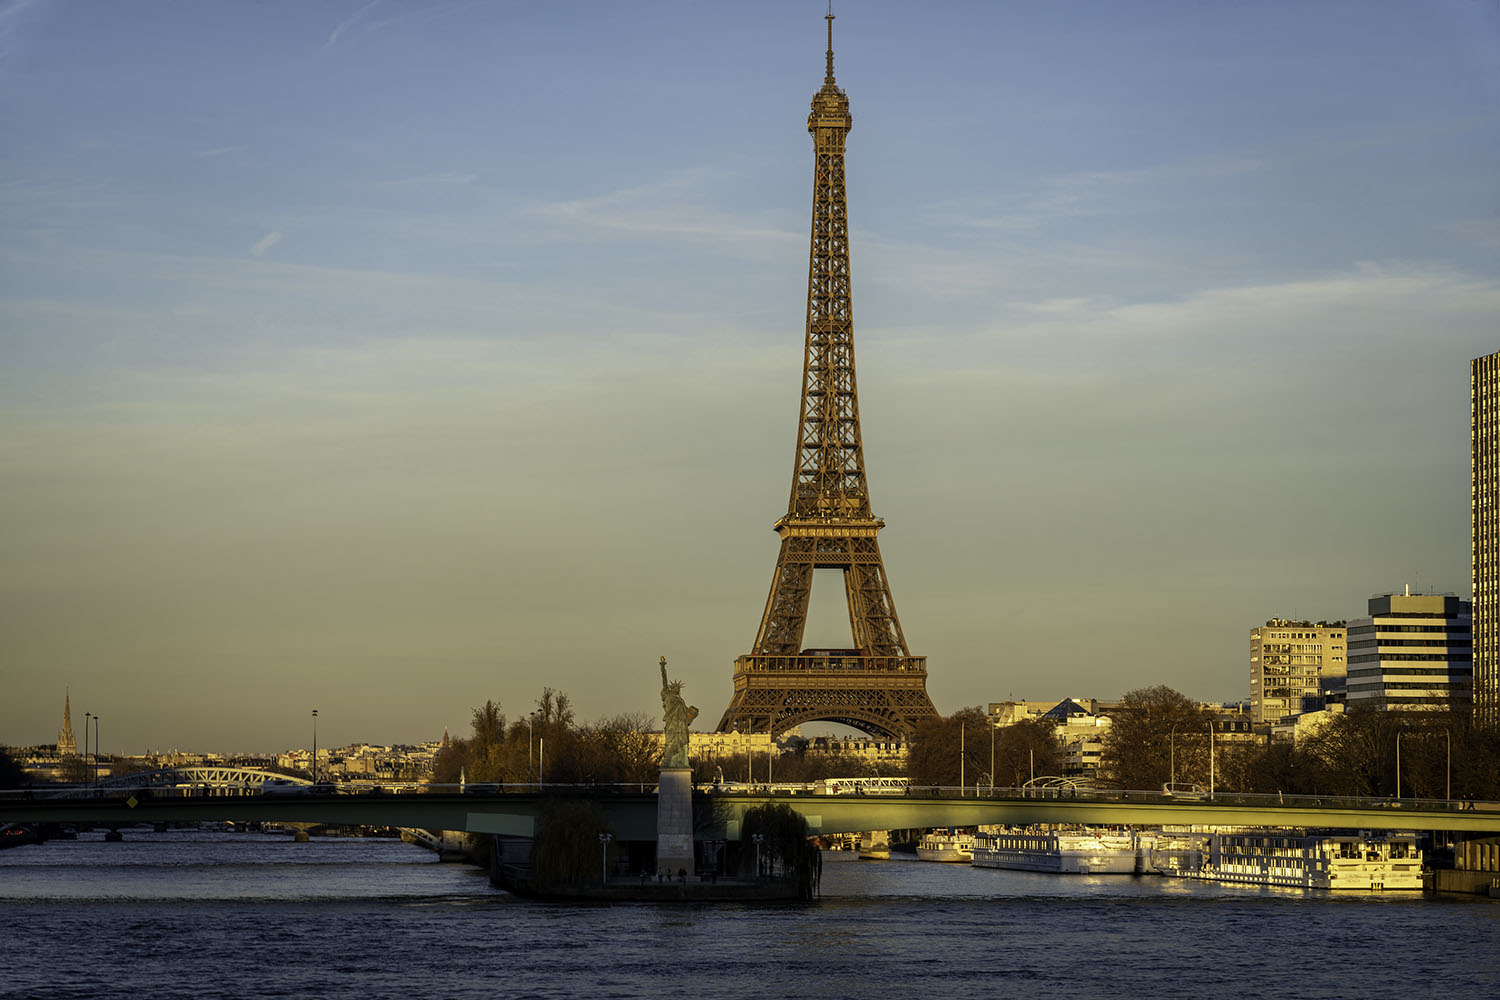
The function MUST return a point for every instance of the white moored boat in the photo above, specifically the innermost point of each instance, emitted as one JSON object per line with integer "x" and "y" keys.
{"x": 1063, "y": 852}
{"x": 1298, "y": 859}
{"x": 946, "y": 845}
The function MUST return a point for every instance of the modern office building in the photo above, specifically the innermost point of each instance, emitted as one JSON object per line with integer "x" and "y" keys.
{"x": 1295, "y": 667}
{"x": 1414, "y": 651}
{"x": 1484, "y": 475}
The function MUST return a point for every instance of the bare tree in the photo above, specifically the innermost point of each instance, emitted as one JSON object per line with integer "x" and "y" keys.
{"x": 1156, "y": 734}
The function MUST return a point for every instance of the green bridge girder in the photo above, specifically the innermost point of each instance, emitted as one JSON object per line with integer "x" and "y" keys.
{"x": 852, "y": 813}
{"x": 718, "y": 815}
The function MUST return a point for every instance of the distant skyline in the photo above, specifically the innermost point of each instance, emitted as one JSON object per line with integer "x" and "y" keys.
{"x": 385, "y": 358}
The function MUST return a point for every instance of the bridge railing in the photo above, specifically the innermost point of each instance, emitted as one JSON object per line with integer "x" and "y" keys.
{"x": 981, "y": 793}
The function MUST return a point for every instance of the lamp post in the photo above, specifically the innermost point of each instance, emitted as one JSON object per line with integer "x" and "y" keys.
{"x": 315, "y": 747}
{"x": 1448, "y": 787}
{"x": 1210, "y": 759}
{"x": 962, "y": 730}
{"x": 541, "y": 757}
{"x": 757, "y": 838}
{"x": 1398, "y": 764}
{"x": 992, "y": 758}
{"x": 96, "y": 749}
{"x": 86, "y": 759}
{"x": 530, "y": 759}
{"x": 604, "y": 839}
{"x": 1172, "y": 758}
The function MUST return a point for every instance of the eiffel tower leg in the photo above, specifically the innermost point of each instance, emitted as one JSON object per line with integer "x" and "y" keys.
{"x": 785, "y": 618}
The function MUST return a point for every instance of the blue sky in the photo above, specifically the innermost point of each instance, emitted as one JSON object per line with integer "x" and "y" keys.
{"x": 384, "y": 358}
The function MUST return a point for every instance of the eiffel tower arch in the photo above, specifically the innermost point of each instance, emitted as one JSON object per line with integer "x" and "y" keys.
{"x": 875, "y": 684}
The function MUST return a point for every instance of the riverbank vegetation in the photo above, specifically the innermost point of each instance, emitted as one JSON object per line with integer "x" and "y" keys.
{"x": 1158, "y": 735}
{"x": 548, "y": 744}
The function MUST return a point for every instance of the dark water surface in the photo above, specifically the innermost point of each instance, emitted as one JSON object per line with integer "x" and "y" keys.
{"x": 199, "y": 914}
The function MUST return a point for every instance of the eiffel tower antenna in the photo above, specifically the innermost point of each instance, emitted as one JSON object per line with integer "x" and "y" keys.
{"x": 875, "y": 684}
{"x": 828, "y": 78}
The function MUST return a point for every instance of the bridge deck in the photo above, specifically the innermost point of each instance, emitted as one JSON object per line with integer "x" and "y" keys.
{"x": 633, "y": 814}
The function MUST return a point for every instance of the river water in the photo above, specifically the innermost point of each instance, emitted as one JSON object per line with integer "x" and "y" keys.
{"x": 207, "y": 914}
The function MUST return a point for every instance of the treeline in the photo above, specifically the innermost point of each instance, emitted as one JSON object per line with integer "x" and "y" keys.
{"x": 1354, "y": 753}
{"x": 964, "y": 748}
{"x": 549, "y": 744}
{"x": 1158, "y": 735}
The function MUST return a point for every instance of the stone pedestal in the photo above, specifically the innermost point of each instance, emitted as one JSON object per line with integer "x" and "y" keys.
{"x": 674, "y": 821}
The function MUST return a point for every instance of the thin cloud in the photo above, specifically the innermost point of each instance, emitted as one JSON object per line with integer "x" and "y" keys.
{"x": 347, "y": 23}
{"x": 266, "y": 242}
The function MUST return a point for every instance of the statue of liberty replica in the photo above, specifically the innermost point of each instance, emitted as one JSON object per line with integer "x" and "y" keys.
{"x": 677, "y": 715}
{"x": 674, "y": 792}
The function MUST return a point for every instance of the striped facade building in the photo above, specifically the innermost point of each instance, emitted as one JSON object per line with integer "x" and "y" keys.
{"x": 1484, "y": 441}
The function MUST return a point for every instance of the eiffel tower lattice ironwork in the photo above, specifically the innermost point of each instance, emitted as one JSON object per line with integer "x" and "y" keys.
{"x": 876, "y": 685}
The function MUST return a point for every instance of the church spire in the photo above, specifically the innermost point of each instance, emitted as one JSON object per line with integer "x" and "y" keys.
{"x": 67, "y": 746}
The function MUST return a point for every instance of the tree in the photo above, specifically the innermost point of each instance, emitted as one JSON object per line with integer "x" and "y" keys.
{"x": 1024, "y": 750}
{"x": 784, "y": 846}
{"x": 1354, "y": 753}
{"x": 1154, "y": 729}
{"x": 933, "y": 755}
{"x": 11, "y": 775}
{"x": 486, "y": 747}
{"x": 618, "y": 749}
{"x": 567, "y": 850}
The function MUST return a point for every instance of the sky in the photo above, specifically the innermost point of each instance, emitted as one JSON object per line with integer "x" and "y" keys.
{"x": 385, "y": 358}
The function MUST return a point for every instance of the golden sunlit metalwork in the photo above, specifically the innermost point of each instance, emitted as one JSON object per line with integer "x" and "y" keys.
{"x": 876, "y": 685}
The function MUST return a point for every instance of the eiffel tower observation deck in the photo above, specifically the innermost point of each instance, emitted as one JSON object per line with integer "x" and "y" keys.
{"x": 875, "y": 684}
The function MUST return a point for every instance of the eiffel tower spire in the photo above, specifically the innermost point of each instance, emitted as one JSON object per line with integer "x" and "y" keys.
{"x": 875, "y": 684}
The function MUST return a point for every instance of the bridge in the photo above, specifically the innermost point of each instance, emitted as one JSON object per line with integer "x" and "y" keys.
{"x": 631, "y": 810}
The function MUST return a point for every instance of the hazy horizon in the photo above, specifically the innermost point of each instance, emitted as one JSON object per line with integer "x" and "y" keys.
{"x": 388, "y": 358}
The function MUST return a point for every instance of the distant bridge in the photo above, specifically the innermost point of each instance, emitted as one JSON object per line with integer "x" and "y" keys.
{"x": 224, "y": 777}
{"x": 632, "y": 810}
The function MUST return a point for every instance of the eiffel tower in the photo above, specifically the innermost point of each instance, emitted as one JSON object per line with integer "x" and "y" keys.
{"x": 876, "y": 685}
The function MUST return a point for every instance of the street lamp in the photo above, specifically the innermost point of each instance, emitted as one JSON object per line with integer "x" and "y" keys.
{"x": 86, "y": 758}
{"x": 1172, "y": 752}
{"x": 96, "y": 749}
{"x": 1398, "y": 764}
{"x": 1210, "y": 759}
{"x": 962, "y": 730}
{"x": 604, "y": 839}
{"x": 315, "y": 747}
{"x": 530, "y": 740}
{"x": 1448, "y": 788}
{"x": 757, "y": 838}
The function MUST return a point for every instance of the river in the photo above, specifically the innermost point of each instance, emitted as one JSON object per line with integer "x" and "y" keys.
{"x": 200, "y": 914}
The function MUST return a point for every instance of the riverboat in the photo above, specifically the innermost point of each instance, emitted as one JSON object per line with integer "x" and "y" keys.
{"x": 1062, "y": 852}
{"x": 949, "y": 845}
{"x": 1300, "y": 859}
